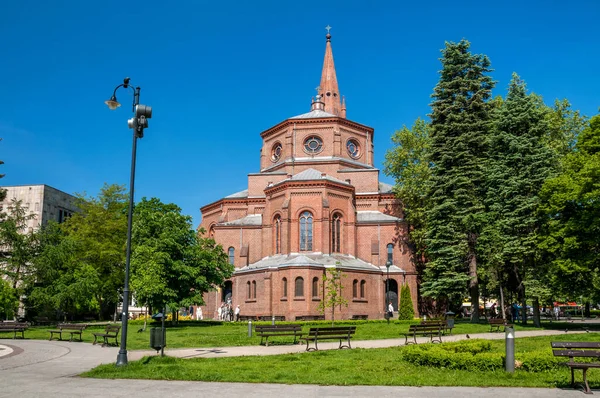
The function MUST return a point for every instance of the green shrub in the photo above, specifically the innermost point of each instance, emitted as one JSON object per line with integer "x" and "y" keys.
{"x": 474, "y": 355}
{"x": 406, "y": 310}
{"x": 538, "y": 361}
{"x": 477, "y": 355}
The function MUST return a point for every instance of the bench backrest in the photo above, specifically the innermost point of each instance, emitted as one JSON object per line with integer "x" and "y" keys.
{"x": 577, "y": 349}
{"x": 332, "y": 331}
{"x": 433, "y": 323}
{"x": 277, "y": 328}
{"x": 72, "y": 326}
{"x": 13, "y": 325}
{"x": 425, "y": 328}
{"x": 497, "y": 321}
{"x": 112, "y": 329}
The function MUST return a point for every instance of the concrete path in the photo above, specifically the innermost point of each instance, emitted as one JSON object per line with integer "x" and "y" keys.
{"x": 34, "y": 368}
{"x": 299, "y": 348}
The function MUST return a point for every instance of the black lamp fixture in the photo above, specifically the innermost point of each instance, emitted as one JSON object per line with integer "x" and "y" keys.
{"x": 138, "y": 123}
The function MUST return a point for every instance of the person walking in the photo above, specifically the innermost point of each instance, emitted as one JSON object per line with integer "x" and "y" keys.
{"x": 237, "y": 313}
{"x": 390, "y": 310}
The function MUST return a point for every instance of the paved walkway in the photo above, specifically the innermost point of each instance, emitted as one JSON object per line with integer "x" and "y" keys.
{"x": 34, "y": 368}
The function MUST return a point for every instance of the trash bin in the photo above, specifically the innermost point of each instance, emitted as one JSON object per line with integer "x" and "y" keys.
{"x": 450, "y": 319}
{"x": 157, "y": 339}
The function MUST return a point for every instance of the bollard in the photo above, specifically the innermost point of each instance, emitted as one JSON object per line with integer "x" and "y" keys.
{"x": 273, "y": 320}
{"x": 250, "y": 328}
{"x": 510, "y": 348}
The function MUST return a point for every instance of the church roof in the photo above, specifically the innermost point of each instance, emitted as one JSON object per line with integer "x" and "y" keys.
{"x": 310, "y": 259}
{"x": 250, "y": 219}
{"x": 385, "y": 188}
{"x": 310, "y": 175}
{"x": 241, "y": 194}
{"x": 375, "y": 216}
{"x": 314, "y": 114}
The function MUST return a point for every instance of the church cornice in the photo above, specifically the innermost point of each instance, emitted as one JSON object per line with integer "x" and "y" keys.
{"x": 322, "y": 161}
{"x": 287, "y": 184}
{"x": 337, "y": 120}
{"x": 211, "y": 207}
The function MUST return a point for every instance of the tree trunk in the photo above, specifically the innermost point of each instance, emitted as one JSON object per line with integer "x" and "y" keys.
{"x": 536, "y": 313}
{"x": 587, "y": 309}
{"x": 474, "y": 287}
{"x": 523, "y": 306}
{"x": 502, "y": 307}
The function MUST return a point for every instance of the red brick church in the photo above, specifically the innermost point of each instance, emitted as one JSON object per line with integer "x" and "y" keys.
{"x": 315, "y": 204}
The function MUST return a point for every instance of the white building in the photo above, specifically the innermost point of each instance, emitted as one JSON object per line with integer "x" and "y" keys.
{"x": 45, "y": 202}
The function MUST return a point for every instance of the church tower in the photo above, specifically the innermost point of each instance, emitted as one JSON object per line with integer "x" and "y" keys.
{"x": 315, "y": 204}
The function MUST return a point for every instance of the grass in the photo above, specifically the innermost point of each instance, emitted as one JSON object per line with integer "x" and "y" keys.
{"x": 215, "y": 334}
{"x": 384, "y": 367}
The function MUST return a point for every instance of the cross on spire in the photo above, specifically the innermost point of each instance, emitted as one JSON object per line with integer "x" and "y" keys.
{"x": 318, "y": 88}
{"x": 328, "y": 28}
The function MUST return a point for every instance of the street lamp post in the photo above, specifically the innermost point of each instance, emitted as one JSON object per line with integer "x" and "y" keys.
{"x": 138, "y": 123}
{"x": 387, "y": 288}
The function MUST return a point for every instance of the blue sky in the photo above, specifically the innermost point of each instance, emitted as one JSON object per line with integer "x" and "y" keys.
{"x": 219, "y": 73}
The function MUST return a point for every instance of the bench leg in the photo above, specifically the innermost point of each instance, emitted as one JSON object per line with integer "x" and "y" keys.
{"x": 586, "y": 387}
{"x": 572, "y": 377}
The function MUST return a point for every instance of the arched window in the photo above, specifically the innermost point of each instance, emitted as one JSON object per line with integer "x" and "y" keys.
{"x": 336, "y": 233}
{"x": 306, "y": 231}
{"x": 231, "y": 254}
{"x": 248, "y": 290}
{"x": 254, "y": 290}
{"x": 284, "y": 287}
{"x": 390, "y": 250}
{"x": 211, "y": 232}
{"x": 363, "y": 285}
{"x": 315, "y": 287}
{"x": 355, "y": 288}
{"x": 277, "y": 234}
{"x": 299, "y": 287}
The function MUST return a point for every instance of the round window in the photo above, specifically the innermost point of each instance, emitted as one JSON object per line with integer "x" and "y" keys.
{"x": 313, "y": 145}
{"x": 353, "y": 148}
{"x": 276, "y": 152}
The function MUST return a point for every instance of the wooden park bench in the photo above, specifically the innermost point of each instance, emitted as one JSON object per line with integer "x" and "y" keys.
{"x": 442, "y": 324}
{"x": 266, "y": 331}
{"x": 14, "y": 327}
{"x": 41, "y": 320}
{"x": 110, "y": 332}
{"x": 243, "y": 318}
{"x": 310, "y": 317}
{"x": 497, "y": 323}
{"x": 271, "y": 317}
{"x": 355, "y": 317}
{"x": 574, "y": 350}
{"x": 434, "y": 332}
{"x": 341, "y": 333}
{"x": 71, "y": 328}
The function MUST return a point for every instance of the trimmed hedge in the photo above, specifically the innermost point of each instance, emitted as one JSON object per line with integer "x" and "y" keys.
{"x": 476, "y": 355}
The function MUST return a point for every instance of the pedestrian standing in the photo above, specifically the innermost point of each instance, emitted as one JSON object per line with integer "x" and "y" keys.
{"x": 237, "y": 313}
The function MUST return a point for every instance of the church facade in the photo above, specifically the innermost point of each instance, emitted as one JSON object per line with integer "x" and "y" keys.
{"x": 316, "y": 204}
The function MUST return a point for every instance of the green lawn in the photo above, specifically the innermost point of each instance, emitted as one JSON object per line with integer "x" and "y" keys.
{"x": 211, "y": 334}
{"x": 348, "y": 367}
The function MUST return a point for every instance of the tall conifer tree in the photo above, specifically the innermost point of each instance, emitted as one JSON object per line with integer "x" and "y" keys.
{"x": 460, "y": 123}
{"x": 520, "y": 162}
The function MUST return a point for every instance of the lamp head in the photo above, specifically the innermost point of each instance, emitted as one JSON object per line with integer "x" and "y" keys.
{"x": 388, "y": 264}
{"x": 112, "y": 103}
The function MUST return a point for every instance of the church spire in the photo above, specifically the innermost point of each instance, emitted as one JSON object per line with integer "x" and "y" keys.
{"x": 329, "y": 87}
